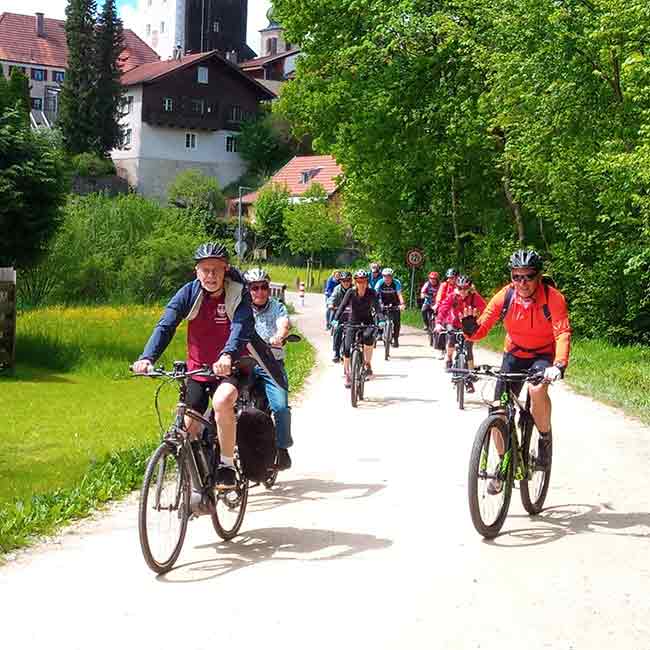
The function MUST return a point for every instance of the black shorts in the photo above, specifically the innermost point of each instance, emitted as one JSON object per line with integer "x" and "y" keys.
{"x": 511, "y": 363}
{"x": 199, "y": 393}
{"x": 367, "y": 334}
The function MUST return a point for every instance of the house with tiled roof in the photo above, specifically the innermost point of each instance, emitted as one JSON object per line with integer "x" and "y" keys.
{"x": 185, "y": 113}
{"x": 298, "y": 176}
{"x": 37, "y": 45}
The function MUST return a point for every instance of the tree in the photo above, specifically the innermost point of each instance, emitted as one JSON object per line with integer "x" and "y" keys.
{"x": 311, "y": 225}
{"x": 32, "y": 191}
{"x": 78, "y": 119}
{"x": 109, "y": 45}
{"x": 195, "y": 191}
{"x": 270, "y": 207}
{"x": 18, "y": 94}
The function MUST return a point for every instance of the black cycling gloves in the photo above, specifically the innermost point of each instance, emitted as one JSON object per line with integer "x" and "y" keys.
{"x": 469, "y": 324}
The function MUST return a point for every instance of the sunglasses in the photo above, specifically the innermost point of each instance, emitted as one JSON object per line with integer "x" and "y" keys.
{"x": 524, "y": 277}
{"x": 259, "y": 287}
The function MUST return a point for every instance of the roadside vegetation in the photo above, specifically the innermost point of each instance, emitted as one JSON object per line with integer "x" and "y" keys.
{"x": 77, "y": 427}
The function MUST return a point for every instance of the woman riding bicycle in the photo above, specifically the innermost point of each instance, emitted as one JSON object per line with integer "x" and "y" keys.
{"x": 364, "y": 304}
{"x": 450, "y": 312}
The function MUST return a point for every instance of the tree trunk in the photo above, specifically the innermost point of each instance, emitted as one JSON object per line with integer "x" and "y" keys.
{"x": 515, "y": 209}
{"x": 454, "y": 213}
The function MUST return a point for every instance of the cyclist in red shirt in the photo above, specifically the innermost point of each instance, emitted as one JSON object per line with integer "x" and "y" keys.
{"x": 450, "y": 312}
{"x": 538, "y": 336}
{"x": 447, "y": 286}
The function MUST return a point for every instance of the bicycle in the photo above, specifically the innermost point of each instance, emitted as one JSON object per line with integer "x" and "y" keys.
{"x": 388, "y": 329}
{"x": 357, "y": 364}
{"x": 516, "y": 462}
{"x": 460, "y": 362}
{"x": 431, "y": 326}
{"x": 180, "y": 467}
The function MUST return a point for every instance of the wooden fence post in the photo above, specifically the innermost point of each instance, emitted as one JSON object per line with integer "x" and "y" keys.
{"x": 7, "y": 317}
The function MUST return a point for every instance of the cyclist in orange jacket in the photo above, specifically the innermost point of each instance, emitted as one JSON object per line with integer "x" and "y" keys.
{"x": 538, "y": 335}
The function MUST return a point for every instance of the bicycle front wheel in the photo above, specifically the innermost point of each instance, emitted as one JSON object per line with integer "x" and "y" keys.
{"x": 490, "y": 477}
{"x": 534, "y": 487}
{"x": 460, "y": 363}
{"x": 388, "y": 337}
{"x": 356, "y": 377}
{"x": 230, "y": 508}
{"x": 164, "y": 509}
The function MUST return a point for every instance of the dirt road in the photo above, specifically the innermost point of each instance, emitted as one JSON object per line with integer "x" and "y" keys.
{"x": 367, "y": 541}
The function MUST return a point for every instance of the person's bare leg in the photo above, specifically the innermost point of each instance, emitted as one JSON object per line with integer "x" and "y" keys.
{"x": 367, "y": 354}
{"x": 540, "y": 406}
{"x": 224, "y": 401}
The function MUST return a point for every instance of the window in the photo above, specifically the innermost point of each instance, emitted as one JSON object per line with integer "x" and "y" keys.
{"x": 216, "y": 26}
{"x": 190, "y": 141}
{"x": 58, "y": 76}
{"x": 162, "y": 26}
{"x": 128, "y": 104}
{"x": 305, "y": 177}
{"x": 39, "y": 75}
{"x": 37, "y": 103}
{"x": 148, "y": 30}
{"x": 232, "y": 143}
{"x": 198, "y": 106}
{"x": 126, "y": 138}
{"x": 168, "y": 104}
{"x": 203, "y": 75}
{"x": 236, "y": 114}
{"x": 271, "y": 45}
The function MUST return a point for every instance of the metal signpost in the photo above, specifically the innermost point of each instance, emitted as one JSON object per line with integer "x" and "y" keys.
{"x": 240, "y": 245}
{"x": 414, "y": 260}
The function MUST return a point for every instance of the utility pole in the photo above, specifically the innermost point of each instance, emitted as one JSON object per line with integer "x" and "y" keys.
{"x": 240, "y": 229}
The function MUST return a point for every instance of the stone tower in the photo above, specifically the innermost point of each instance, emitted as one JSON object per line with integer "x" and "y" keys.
{"x": 272, "y": 37}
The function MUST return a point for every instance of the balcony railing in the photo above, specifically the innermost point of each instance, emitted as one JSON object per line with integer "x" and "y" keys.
{"x": 183, "y": 120}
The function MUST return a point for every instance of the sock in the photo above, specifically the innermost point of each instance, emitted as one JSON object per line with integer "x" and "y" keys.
{"x": 227, "y": 461}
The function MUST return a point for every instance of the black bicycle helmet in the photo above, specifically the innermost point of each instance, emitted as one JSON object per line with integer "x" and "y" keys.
{"x": 345, "y": 275}
{"x": 451, "y": 273}
{"x": 257, "y": 275}
{"x": 463, "y": 282}
{"x": 211, "y": 250}
{"x": 361, "y": 273}
{"x": 526, "y": 258}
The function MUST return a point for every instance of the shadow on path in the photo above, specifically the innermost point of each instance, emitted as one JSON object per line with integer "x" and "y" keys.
{"x": 277, "y": 544}
{"x": 561, "y": 521}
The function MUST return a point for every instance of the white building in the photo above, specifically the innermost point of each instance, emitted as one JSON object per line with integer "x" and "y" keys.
{"x": 161, "y": 24}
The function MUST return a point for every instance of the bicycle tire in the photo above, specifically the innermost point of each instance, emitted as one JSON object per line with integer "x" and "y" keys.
{"x": 533, "y": 499}
{"x": 232, "y": 500}
{"x": 460, "y": 363}
{"x": 488, "y": 529}
{"x": 181, "y": 504}
{"x": 355, "y": 371}
{"x": 388, "y": 337}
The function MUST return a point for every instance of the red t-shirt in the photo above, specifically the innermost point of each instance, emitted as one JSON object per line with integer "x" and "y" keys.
{"x": 207, "y": 334}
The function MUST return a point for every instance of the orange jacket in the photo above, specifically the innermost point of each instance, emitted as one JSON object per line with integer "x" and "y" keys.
{"x": 528, "y": 333}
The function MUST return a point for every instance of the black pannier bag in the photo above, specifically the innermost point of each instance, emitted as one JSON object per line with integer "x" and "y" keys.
{"x": 255, "y": 443}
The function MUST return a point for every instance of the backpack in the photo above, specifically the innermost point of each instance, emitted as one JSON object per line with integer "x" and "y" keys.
{"x": 255, "y": 443}
{"x": 547, "y": 281}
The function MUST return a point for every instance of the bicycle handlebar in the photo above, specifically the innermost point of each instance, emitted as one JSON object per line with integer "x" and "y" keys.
{"x": 496, "y": 373}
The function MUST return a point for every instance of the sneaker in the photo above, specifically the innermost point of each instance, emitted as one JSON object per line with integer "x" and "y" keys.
{"x": 494, "y": 486}
{"x": 368, "y": 371}
{"x": 543, "y": 451}
{"x": 226, "y": 478}
{"x": 348, "y": 381}
{"x": 425, "y": 328}
{"x": 395, "y": 343}
{"x": 198, "y": 505}
{"x": 469, "y": 386}
{"x": 336, "y": 358}
{"x": 283, "y": 460}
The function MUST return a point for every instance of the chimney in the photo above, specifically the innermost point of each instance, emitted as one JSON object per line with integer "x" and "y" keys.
{"x": 40, "y": 25}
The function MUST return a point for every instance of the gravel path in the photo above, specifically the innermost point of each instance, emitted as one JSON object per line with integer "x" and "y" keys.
{"x": 367, "y": 541}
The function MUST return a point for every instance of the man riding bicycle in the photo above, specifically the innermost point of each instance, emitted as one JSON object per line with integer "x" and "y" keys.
{"x": 272, "y": 324}
{"x": 363, "y": 307}
{"x": 375, "y": 275}
{"x": 330, "y": 286}
{"x": 538, "y": 337}
{"x": 450, "y": 312}
{"x": 333, "y": 303}
{"x": 428, "y": 294}
{"x": 220, "y": 327}
{"x": 389, "y": 293}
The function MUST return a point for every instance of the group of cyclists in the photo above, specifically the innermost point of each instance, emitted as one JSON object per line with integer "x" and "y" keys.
{"x": 230, "y": 315}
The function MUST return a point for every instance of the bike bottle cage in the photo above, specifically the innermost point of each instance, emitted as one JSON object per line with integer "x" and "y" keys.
{"x": 508, "y": 300}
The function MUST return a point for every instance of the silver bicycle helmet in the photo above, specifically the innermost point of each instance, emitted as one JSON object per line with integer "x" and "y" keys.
{"x": 388, "y": 271}
{"x": 211, "y": 250}
{"x": 526, "y": 258}
{"x": 361, "y": 273}
{"x": 256, "y": 275}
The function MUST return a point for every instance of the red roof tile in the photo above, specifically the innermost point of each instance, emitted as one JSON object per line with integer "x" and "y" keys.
{"x": 322, "y": 169}
{"x": 19, "y": 43}
{"x": 261, "y": 60}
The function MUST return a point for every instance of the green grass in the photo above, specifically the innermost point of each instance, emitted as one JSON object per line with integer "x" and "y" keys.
{"x": 292, "y": 275}
{"x": 77, "y": 427}
{"x": 615, "y": 375}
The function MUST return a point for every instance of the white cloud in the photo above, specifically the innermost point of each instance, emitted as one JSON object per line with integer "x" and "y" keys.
{"x": 51, "y": 8}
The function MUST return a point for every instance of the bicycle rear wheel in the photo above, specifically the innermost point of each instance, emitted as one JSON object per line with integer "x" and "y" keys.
{"x": 164, "y": 509}
{"x": 460, "y": 363}
{"x": 388, "y": 337}
{"x": 356, "y": 376}
{"x": 534, "y": 488}
{"x": 488, "y": 511}
{"x": 230, "y": 508}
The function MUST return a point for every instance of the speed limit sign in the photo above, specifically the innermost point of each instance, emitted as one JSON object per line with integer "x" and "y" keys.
{"x": 414, "y": 258}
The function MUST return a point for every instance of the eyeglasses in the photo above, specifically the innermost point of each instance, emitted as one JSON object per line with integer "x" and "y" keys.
{"x": 259, "y": 287}
{"x": 524, "y": 277}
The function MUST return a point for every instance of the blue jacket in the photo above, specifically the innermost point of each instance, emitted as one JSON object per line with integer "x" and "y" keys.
{"x": 330, "y": 286}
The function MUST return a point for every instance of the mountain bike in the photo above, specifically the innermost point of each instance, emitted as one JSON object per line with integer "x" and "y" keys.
{"x": 357, "y": 364}
{"x": 460, "y": 363}
{"x": 178, "y": 482}
{"x": 498, "y": 458}
{"x": 431, "y": 327}
{"x": 388, "y": 330}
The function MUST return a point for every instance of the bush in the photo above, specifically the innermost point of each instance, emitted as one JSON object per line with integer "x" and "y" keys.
{"x": 194, "y": 190}
{"x": 270, "y": 208}
{"x": 90, "y": 165}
